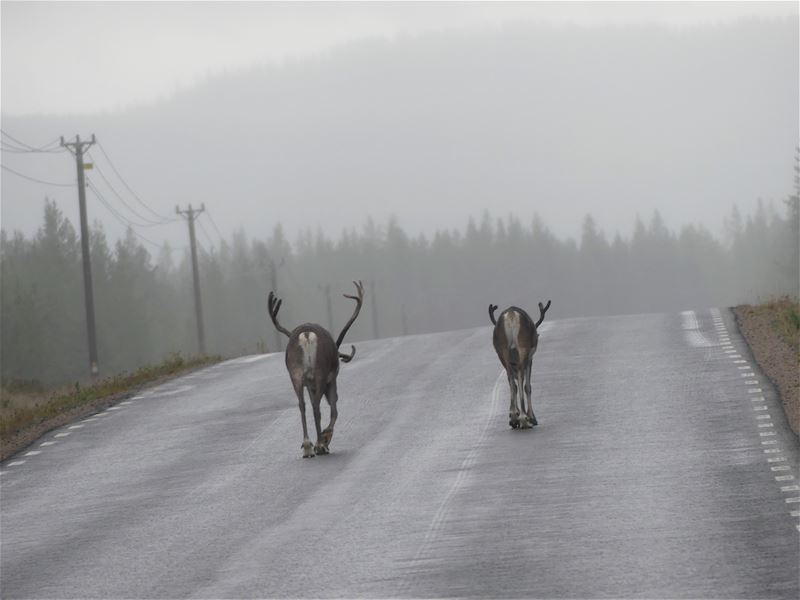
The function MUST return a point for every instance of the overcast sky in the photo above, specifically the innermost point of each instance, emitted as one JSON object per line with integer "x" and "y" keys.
{"x": 138, "y": 52}
{"x": 331, "y": 112}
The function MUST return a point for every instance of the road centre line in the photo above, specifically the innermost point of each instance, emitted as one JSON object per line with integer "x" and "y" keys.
{"x": 781, "y": 468}
{"x": 45, "y": 444}
{"x": 784, "y": 477}
{"x": 64, "y": 434}
{"x": 16, "y": 463}
{"x": 33, "y": 453}
{"x": 776, "y": 459}
{"x": 790, "y": 488}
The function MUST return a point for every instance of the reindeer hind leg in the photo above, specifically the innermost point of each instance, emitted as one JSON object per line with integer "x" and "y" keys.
{"x": 513, "y": 411}
{"x": 307, "y": 446}
{"x": 332, "y": 395}
{"x": 316, "y": 398}
{"x": 528, "y": 377}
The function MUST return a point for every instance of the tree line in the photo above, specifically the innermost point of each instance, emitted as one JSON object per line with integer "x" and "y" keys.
{"x": 144, "y": 302}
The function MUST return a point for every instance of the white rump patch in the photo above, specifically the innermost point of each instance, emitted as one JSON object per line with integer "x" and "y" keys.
{"x": 511, "y": 327}
{"x": 308, "y": 345}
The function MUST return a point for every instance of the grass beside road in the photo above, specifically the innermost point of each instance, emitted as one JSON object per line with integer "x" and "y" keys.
{"x": 27, "y": 411}
{"x": 772, "y": 331}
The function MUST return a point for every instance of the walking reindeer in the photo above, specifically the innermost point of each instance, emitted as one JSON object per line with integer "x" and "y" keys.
{"x": 515, "y": 339}
{"x": 312, "y": 359}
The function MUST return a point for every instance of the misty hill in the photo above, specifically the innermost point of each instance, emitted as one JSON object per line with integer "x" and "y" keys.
{"x": 559, "y": 121}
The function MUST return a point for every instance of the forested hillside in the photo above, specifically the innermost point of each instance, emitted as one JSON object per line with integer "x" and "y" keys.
{"x": 144, "y": 303}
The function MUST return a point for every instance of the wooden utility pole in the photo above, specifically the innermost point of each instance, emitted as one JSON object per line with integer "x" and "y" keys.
{"x": 375, "y": 333}
{"x": 77, "y": 148}
{"x": 327, "y": 289}
{"x": 191, "y": 215}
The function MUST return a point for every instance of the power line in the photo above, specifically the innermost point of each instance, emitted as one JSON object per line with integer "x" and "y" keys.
{"x": 148, "y": 222}
{"x": 125, "y": 183}
{"x": 221, "y": 237}
{"x": 10, "y": 170}
{"x": 210, "y": 241}
{"x": 20, "y": 146}
{"x": 121, "y": 218}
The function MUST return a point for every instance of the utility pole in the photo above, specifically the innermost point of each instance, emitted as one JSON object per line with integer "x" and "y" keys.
{"x": 375, "y": 333}
{"x": 327, "y": 289}
{"x": 191, "y": 215}
{"x": 77, "y": 148}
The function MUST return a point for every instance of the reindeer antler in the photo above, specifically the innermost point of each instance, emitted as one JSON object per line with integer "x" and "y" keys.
{"x": 274, "y": 305}
{"x": 348, "y": 357}
{"x": 542, "y": 310}
{"x": 492, "y": 308}
{"x": 359, "y": 298}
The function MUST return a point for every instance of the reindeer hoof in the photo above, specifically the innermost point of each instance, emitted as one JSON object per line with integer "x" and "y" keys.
{"x": 321, "y": 450}
{"x": 326, "y": 437}
{"x": 308, "y": 450}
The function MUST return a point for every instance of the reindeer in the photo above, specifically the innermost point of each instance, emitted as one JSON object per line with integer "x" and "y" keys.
{"x": 312, "y": 358}
{"x": 515, "y": 339}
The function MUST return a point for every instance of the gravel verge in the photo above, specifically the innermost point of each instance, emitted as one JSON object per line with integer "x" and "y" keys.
{"x": 774, "y": 347}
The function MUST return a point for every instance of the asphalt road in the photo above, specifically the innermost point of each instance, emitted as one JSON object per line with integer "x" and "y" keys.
{"x": 662, "y": 468}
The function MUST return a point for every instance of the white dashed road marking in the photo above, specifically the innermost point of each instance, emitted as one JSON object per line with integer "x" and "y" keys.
{"x": 180, "y": 390}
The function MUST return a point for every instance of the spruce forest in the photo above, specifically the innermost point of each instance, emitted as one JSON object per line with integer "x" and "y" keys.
{"x": 145, "y": 305}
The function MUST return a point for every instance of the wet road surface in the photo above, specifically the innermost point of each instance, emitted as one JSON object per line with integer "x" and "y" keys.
{"x": 662, "y": 468}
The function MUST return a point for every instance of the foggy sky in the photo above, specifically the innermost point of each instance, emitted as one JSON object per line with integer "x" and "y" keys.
{"x": 688, "y": 114}
{"x": 70, "y": 57}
